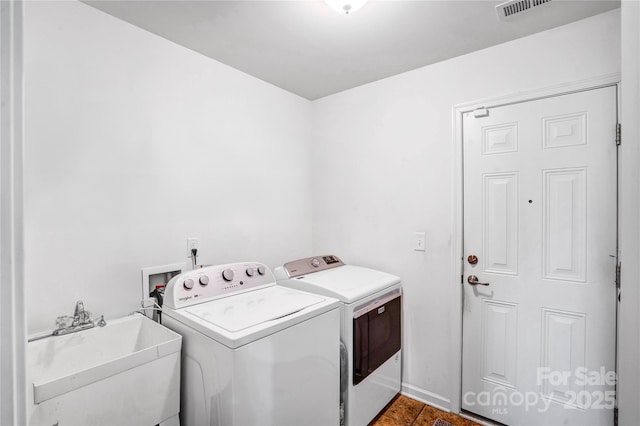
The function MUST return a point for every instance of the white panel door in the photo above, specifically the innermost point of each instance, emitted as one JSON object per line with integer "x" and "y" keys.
{"x": 540, "y": 218}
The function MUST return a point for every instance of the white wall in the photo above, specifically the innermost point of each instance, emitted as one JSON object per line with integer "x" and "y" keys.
{"x": 382, "y": 169}
{"x": 134, "y": 144}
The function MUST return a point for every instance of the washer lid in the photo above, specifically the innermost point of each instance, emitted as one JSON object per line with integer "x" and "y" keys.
{"x": 250, "y": 309}
{"x": 240, "y": 319}
{"x": 347, "y": 283}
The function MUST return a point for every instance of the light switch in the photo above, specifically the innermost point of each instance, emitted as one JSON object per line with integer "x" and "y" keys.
{"x": 419, "y": 241}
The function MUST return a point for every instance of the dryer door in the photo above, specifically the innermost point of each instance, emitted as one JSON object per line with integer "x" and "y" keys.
{"x": 376, "y": 336}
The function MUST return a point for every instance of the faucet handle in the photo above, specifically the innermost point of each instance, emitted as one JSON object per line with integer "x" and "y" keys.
{"x": 102, "y": 322}
{"x": 79, "y": 308}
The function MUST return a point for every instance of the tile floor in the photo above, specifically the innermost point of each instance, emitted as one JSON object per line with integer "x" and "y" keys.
{"x": 404, "y": 411}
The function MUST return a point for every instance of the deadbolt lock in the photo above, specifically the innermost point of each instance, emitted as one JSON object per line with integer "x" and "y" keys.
{"x": 472, "y": 259}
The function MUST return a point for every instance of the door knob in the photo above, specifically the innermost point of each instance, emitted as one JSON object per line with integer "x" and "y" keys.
{"x": 473, "y": 280}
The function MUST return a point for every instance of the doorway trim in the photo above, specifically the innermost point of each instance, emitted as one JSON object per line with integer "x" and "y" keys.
{"x": 13, "y": 395}
{"x": 457, "y": 248}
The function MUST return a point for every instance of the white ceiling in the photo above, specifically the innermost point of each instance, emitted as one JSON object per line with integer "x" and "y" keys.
{"x": 306, "y": 48}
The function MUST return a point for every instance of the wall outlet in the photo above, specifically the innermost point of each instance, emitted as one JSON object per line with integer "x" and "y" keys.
{"x": 192, "y": 243}
{"x": 419, "y": 241}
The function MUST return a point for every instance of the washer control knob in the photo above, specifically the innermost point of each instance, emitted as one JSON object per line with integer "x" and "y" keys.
{"x": 188, "y": 284}
{"x": 250, "y": 272}
{"x": 204, "y": 280}
{"x": 315, "y": 262}
{"x": 261, "y": 270}
{"x": 227, "y": 274}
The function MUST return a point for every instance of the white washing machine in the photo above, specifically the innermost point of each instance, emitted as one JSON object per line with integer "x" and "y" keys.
{"x": 253, "y": 353}
{"x": 371, "y": 329}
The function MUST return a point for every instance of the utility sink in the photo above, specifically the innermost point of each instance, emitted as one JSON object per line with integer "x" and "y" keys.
{"x": 127, "y": 372}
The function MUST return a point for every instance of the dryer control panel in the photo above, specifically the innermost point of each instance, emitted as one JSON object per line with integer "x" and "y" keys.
{"x": 214, "y": 282}
{"x": 309, "y": 265}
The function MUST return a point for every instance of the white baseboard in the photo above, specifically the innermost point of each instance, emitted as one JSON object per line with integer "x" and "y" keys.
{"x": 427, "y": 397}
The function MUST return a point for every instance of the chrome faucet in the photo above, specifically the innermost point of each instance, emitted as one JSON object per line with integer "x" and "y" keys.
{"x": 81, "y": 320}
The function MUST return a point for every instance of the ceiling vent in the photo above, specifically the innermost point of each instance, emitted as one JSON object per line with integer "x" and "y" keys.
{"x": 515, "y": 8}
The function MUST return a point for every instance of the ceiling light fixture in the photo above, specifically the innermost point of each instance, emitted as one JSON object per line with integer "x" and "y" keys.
{"x": 345, "y": 6}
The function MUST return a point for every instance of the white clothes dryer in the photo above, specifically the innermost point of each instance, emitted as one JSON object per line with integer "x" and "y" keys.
{"x": 371, "y": 329}
{"x": 253, "y": 353}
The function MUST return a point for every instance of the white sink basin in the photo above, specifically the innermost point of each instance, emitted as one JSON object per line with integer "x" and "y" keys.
{"x": 132, "y": 361}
